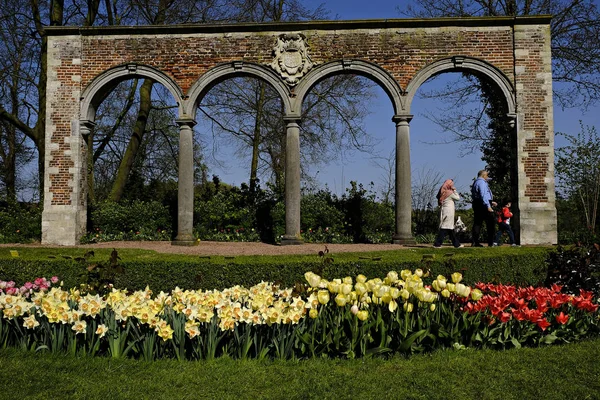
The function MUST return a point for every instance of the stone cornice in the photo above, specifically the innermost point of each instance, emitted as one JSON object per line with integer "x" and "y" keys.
{"x": 299, "y": 26}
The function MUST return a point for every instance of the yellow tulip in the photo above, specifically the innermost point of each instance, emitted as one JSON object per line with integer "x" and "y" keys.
{"x": 313, "y": 279}
{"x": 442, "y": 281}
{"x": 476, "y": 294}
{"x": 405, "y": 274}
{"x": 323, "y": 296}
{"x": 361, "y": 278}
{"x": 347, "y": 280}
{"x": 463, "y": 290}
{"x": 360, "y": 288}
{"x": 340, "y": 300}
{"x": 313, "y": 313}
{"x": 333, "y": 287}
{"x": 346, "y": 288}
{"x": 408, "y": 307}
{"x": 419, "y": 272}
{"x": 362, "y": 315}
{"x": 393, "y": 306}
{"x": 432, "y": 307}
{"x": 392, "y": 276}
{"x": 405, "y": 294}
{"x": 386, "y": 298}
{"x": 456, "y": 277}
{"x": 446, "y": 293}
{"x": 380, "y": 291}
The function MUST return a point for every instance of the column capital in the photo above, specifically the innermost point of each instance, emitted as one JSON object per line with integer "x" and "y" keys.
{"x": 512, "y": 119}
{"x": 292, "y": 118}
{"x": 87, "y": 123}
{"x": 186, "y": 122}
{"x": 402, "y": 118}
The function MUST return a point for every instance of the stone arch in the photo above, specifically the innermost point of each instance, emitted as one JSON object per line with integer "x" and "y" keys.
{"x": 514, "y": 52}
{"x": 231, "y": 70}
{"x": 350, "y": 66}
{"x": 102, "y": 85}
{"x": 462, "y": 63}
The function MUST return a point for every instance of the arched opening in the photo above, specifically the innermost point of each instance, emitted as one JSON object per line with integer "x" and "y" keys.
{"x": 131, "y": 142}
{"x": 239, "y": 110}
{"x": 370, "y": 214}
{"x": 464, "y": 114}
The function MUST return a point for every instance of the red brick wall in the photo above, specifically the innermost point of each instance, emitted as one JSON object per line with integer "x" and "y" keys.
{"x": 185, "y": 59}
{"x": 402, "y": 52}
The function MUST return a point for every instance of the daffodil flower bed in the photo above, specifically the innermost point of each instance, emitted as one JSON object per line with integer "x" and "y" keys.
{"x": 339, "y": 318}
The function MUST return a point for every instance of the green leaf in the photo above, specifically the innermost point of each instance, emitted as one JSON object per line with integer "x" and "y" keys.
{"x": 407, "y": 343}
{"x": 549, "y": 338}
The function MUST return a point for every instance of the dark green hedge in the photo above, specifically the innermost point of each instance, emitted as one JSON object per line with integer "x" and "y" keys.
{"x": 523, "y": 267}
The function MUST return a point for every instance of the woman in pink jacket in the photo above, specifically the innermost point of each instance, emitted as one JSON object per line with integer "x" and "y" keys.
{"x": 446, "y": 196}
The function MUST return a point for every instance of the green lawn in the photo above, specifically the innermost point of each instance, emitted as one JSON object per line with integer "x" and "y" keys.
{"x": 417, "y": 253}
{"x": 557, "y": 372}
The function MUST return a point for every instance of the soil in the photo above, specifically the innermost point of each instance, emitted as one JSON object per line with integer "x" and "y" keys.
{"x": 238, "y": 248}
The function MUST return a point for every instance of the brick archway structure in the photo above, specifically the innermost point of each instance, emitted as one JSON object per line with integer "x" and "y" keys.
{"x": 84, "y": 64}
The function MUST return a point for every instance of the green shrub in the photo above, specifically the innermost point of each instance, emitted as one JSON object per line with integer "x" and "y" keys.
{"x": 20, "y": 223}
{"x": 575, "y": 267}
{"x": 325, "y": 235}
{"x": 139, "y": 217}
{"x": 225, "y": 210}
{"x": 379, "y": 221}
{"x": 319, "y": 212}
{"x": 522, "y": 266}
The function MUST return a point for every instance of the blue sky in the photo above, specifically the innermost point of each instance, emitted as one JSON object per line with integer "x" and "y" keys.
{"x": 436, "y": 158}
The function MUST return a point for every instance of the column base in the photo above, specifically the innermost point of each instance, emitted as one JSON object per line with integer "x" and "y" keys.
{"x": 184, "y": 240}
{"x": 403, "y": 240}
{"x": 291, "y": 240}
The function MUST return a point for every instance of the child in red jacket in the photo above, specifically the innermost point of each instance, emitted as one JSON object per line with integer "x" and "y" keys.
{"x": 504, "y": 224}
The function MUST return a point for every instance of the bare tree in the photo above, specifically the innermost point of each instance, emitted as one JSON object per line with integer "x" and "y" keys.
{"x": 388, "y": 176}
{"x": 425, "y": 185}
{"x": 575, "y": 30}
{"x": 473, "y": 114}
{"x": 250, "y": 112}
{"x": 578, "y": 171}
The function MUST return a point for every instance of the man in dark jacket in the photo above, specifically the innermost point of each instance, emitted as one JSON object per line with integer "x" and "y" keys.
{"x": 482, "y": 208}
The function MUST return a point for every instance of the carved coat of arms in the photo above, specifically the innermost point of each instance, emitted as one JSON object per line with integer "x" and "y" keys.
{"x": 291, "y": 57}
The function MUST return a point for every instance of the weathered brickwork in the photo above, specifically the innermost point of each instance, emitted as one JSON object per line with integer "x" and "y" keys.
{"x": 535, "y": 131}
{"x": 518, "y": 48}
{"x": 400, "y": 52}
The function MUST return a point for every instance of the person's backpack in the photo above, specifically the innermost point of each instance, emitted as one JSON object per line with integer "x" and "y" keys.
{"x": 475, "y": 194}
{"x": 499, "y": 215}
{"x": 459, "y": 226}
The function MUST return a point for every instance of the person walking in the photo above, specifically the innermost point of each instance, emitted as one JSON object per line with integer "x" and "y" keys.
{"x": 446, "y": 196}
{"x": 482, "y": 208}
{"x": 504, "y": 224}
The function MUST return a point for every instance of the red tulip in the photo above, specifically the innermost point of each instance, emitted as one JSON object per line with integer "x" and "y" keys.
{"x": 543, "y": 323}
{"x": 562, "y": 318}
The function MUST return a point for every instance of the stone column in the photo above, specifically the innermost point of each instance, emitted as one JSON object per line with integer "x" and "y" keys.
{"x": 403, "y": 234}
{"x": 185, "y": 185}
{"x": 292, "y": 183}
{"x": 86, "y": 129}
{"x": 64, "y": 218}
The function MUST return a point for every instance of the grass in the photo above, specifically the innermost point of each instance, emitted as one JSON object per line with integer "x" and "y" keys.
{"x": 558, "y": 372}
{"x": 411, "y": 254}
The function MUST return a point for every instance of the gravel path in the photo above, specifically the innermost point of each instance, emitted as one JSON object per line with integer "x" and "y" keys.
{"x": 237, "y": 248}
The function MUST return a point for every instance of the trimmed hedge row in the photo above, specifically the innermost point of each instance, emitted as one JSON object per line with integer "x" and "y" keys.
{"x": 522, "y": 267}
